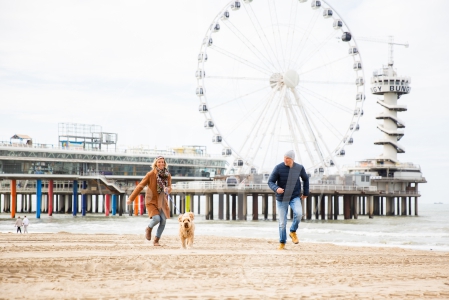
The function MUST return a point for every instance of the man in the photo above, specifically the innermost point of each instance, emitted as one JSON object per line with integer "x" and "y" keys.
{"x": 284, "y": 181}
{"x": 18, "y": 224}
{"x": 26, "y": 222}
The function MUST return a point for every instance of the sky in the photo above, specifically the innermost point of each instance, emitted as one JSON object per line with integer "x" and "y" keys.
{"x": 129, "y": 66}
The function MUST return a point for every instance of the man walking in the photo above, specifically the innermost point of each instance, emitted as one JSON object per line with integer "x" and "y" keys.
{"x": 26, "y": 222}
{"x": 284, "y": 181}
{"x": 18, "y": 224}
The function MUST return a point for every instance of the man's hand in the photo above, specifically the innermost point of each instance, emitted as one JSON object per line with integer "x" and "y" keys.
{"x": 280, "y": 191}
{"x": 128, "y": 202}
{"x": 303, "y": 197}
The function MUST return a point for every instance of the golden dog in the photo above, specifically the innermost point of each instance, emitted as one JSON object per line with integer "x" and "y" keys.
{"x": 186, "y": 229}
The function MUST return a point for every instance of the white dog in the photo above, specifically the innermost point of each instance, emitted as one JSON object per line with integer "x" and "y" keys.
{"x": 186, "y": 229}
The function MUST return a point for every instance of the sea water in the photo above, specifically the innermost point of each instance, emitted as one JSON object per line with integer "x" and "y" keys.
{"x": 428, "y": 231}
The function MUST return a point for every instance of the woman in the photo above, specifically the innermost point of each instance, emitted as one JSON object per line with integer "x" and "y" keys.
{"x": 158, "y": 182}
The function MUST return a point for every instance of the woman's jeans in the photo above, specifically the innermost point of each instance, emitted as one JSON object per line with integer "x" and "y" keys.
{"x": 161, "y": 219}
{"x": 282, "y": 208}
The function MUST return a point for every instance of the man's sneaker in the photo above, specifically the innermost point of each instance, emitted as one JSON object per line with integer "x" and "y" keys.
{"x": 148, "y": 233}
{"x": 281, "y": 246}
{"x": 294, "y": 237}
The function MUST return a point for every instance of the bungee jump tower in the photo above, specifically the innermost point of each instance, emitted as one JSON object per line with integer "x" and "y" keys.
{"x": 396, "y": 181}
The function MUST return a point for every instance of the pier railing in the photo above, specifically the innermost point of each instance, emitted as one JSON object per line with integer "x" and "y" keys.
{"x": 127, "y": 151}
{"x": 214, "y": 185}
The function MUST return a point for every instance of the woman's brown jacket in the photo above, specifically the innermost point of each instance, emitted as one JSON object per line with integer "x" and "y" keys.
{"x": 153, "y": 201}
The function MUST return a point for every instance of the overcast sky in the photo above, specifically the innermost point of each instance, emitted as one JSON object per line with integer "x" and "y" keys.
{"x": 129, "y": 66}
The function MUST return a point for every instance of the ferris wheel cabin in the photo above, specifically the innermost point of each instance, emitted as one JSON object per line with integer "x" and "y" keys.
{"x": 226, "y": 152}
{"x": 202, "y": 57}
{"x": 200, "y": 74}
{"x": 208, "y": 41}
{"x": 357, "y": 66}
{"x": 346, "y": 37}
{"x": 225, "y": 15}
{"x": 217, "y": 139}
{"x": 327, "y": 13}
{"x": 316, "y": 4}
{"x": 348, "y": 141}
{"x": 200, "y": 91}
{"x": 353, "y": 51}
{"x": 341, "y": 153}
{"x": 358, "y": 111}
{"x": 360, "y": 97}
{"x": 208, "y": 124}
{"x": 235, "y": 5}
{"x": 238, "y": 163}
{"x": 203, "y": 108}
{"x": 216, "y": 27}
{"x": 337, "y": 24}
{"x": 354, "y": 125}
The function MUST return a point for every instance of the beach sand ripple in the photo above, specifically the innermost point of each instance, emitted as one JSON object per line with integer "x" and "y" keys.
{"x": 77, "y": 266}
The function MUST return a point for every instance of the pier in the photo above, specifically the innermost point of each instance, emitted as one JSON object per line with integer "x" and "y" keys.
{"x": 95, "y": 194}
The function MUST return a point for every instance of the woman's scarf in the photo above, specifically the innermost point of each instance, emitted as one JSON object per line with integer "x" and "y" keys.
{"x": 162, "y": 179}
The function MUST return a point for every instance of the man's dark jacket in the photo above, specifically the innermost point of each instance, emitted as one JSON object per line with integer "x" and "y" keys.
{"x": 288, "y": 178}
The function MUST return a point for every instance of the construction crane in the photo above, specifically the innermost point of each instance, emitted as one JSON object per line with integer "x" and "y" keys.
{"x": 389, "y": 41}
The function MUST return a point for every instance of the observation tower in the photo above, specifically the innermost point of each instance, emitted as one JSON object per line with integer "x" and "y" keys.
{"x": 387, "y": 83}
{"x": 396, "y": 182}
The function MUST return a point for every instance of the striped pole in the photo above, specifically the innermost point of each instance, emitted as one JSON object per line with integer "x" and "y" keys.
{"x": 107, "y": 204}
{"x": 38, "y": 198}
{"x": 136, "y": 204}
{"x": 75, "y": 198}
{"x": 114, "y": 204}
{"x": 84, "y": 200}
{"x": 13, "y": 198}
{"x": 142, "y": 204}
{"x": 50, "y": 198}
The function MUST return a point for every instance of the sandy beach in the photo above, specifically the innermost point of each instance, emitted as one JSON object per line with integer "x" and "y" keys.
{"x": 83, "y": 266}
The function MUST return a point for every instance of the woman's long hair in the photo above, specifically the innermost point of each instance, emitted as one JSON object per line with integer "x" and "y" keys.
{"x": 155, "y": 163}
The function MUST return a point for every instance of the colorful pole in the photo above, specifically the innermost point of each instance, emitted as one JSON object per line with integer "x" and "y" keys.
{"x": 75, "y": 198}
{"x": 136, "y": 204}
{"x": 114, "y": 204}
{"x": 187, "y": 203}
{"x": 50, "y": 198}
{"x": 38, "y": 198}
{"x": 107, "y": 204}
{"x": 84, "y": 200}
{"x": 13, "y": 198}
{"x": 142, "y": 204}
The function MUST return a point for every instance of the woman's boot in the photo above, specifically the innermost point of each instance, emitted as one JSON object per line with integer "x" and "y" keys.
{"x": 156, "y": 241}
{"x": 148, "y": 233}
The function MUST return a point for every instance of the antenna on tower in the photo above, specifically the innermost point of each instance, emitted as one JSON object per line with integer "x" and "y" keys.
{"x": 389, "y": 41}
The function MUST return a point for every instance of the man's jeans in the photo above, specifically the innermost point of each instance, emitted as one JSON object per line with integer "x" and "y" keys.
{"x": 158, "y": 219}
{"x": 282, "y": 208}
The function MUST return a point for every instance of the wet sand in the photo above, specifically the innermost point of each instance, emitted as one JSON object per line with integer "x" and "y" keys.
{"x": 83, "y": 266}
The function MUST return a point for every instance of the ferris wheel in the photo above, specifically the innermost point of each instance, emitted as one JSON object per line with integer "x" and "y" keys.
{"x": 279, "y": 75}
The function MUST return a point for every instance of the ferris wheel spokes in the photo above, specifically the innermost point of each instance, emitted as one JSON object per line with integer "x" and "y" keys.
{"x": 324, "y": 65}
{"x": 308, "y": 126}
{"x": 314, "y": 51}
{"x": 327, "y": 100}
{"x": 259, "y": 121}
{"x": 243, "y": 38}
{"x": 241, "y": 60}
{"x": 332, "y": 129}
{"x": 260, "y": 38}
